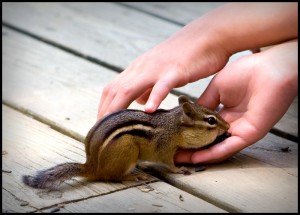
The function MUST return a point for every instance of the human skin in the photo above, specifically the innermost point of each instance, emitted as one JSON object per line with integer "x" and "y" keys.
{"x": 202, "y": 48}
{"x": 265, "y": 84}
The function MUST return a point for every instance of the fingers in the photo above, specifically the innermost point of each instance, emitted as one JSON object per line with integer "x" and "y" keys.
{"x": 123, "y": 90}
{"x": 159, "y": 92}
{"x": 214, "y": 154}
{"x": 144, "y": 98}
{"x": 220, "y": 151}
{"x": 183, "y": 156}
{"x": 116, "y": 96}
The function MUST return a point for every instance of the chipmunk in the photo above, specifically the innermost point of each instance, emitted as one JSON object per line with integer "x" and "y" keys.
{"x": 115, "y": 144}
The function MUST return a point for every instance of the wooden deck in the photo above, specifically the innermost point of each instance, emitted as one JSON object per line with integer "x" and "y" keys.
{"x": 57, "y": 57}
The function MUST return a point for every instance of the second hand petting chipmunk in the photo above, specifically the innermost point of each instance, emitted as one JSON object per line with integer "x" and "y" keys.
{"x": 118, "y": 142}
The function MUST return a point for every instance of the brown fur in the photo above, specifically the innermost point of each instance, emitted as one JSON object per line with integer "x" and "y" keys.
{"x": 119, "y": 141}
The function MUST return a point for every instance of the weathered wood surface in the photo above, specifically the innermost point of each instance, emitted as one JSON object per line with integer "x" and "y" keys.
{"x": 114, "y": 34}
{"x": 29, "y": 145}
{"x": 154, "y": 198}
{"x": 58, "y": 87}
{"x": 30, "y": 80}
{"x": 178, "y": 12}
{"x": 185, "y": 12}
{"x": 261, "y": 178}
{"x": 63, "y": 91}
{"x": 102, "y": 32}
{"x": 106, "y": 31}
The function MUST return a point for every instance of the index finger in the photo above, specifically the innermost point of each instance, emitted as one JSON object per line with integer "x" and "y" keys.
{"x": 122, "y": 95}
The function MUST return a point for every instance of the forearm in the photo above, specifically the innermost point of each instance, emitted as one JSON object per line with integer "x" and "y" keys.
{"x": 236, "y": 27}
{"x": 200, "y": 49}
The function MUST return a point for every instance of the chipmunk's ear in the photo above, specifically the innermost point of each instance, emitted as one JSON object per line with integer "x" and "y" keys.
{"x": 188, "y": 114}
{"x": 182, "y": 99}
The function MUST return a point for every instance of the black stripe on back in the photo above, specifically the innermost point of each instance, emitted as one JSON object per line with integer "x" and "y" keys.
{"x": 99, "y": 123}
{"x": 104, "y": 120}
{"x": 125, "y": 124}
{"x": 135, "y": 132}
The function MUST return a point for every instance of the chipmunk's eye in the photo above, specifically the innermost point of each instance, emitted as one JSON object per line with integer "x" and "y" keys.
{"x": 211, "y": 120}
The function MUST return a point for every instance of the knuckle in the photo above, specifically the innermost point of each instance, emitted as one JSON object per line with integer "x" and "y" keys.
{"x": 126, "y": 90}
{"x": 109, "y": 90}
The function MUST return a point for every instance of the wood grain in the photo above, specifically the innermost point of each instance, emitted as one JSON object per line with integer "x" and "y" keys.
{"x": 178, "y": 12}
{"x": 31, "y": 146}
{"x": 161, "y": 198}
{"x": 58, "y": 87}
{"x": 261, "y": 178}
{"x": 116, "y": 35}
{"x": 63, "y": 90}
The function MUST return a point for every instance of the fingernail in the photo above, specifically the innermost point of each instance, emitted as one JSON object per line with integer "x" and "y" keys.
{"x": 150, "y": 107}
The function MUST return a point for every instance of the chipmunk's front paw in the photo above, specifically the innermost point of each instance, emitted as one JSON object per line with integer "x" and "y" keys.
{"x": 142, "y": 177}
{"x": 137, "y": 177}
{"x": 182, "y": 170}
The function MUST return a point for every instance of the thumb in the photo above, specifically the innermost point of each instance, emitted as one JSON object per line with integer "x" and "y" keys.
{"x": 210, "y": 97}
{"x": 220, "y": 151}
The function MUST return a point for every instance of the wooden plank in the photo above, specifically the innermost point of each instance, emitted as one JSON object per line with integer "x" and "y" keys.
{"x": 68, "y": 79}
{"x": 37, "y": 87}
{"x": 161, "y": 198}
{"x": 183, "y": 13}
{"x": 179, "y": 12}
{"x": 50, "y": 147}
{"x": 62, "y": 88}
{"x": 91, "y": 28}
{"x": 28, "y": 146}
{"x": 289, "y": 122}
{"x": 114, "y": 34}
{"x": 276, "y": 151}
{"x": 261, "y": 178}
{"x": 107, "y": 36}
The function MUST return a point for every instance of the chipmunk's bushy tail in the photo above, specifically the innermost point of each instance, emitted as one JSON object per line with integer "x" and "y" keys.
{"x": 52, "y": 177}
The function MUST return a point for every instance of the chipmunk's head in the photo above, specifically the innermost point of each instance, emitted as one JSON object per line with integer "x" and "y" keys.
{"x": 200, "y": 125}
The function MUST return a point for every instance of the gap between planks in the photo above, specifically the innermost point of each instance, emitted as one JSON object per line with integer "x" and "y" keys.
{"x": 114, "y": 68}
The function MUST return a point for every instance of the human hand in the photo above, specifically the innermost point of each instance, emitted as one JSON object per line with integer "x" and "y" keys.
{"x": 199, "y": 50}
{"x": 173, "y": 63}
{"x": 256, "y": 91}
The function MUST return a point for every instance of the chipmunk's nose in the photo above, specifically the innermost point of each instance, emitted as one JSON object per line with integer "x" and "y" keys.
{"x": 227, "y": 126}
{"x": 224, "y": 126}
{"x": 223, "y": 136}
